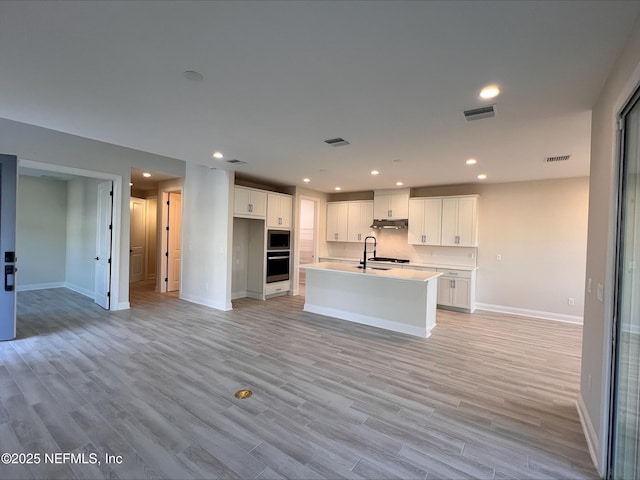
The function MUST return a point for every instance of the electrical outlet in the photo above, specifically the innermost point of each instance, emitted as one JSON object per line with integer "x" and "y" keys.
{"x": 600, "y": 293}
{"x": 498, "y": 257}
{"x": 589, "y": 285}
{"x": 571, "y": 302}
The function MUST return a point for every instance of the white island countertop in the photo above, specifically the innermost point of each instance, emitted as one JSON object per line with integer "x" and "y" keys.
{"x": 374, "y": 268}
{"x": 395, "y": 299}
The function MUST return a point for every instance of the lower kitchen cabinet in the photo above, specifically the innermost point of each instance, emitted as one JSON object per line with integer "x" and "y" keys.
{"x": 457, "y": 290}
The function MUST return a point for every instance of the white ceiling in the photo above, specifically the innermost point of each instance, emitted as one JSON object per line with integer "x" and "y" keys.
{"x": 280, "y": 77}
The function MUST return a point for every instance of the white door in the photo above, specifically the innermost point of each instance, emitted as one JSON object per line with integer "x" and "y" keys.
{"x": 138, "y": 209}
{"x": 8, "y": 181}
{"x": 174, "y": 247}
{"x": 103, "y": 245}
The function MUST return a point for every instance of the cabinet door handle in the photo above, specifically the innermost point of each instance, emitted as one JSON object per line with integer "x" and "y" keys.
{"x": 389, "y": 213}
{"x": 424, "y": 239}
{"x": 359, "y": 236}
{"x": 335, "y": 236}
{"x": 453, "y": 284}
{"x": 250, "y": 207}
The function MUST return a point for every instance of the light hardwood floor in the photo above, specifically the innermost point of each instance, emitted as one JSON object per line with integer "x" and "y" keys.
{"x": 486, "y": 396}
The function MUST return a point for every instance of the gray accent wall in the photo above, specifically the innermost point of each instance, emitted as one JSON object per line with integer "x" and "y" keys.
{"x": 41, "y": 232}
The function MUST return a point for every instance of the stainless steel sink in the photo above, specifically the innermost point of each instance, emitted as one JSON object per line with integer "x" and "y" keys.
{"x": 373, "y": 268}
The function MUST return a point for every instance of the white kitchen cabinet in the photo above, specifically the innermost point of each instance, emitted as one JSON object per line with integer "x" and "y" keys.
{"x": 391, "y": 205}
{"x": 456, "y": 289}
{"x": 249, "y": 202}
{"x": 279, "y": 210}
{"x": 337, "y": 221}
{"x": 460, "y": 221}
{"x": 359, "y": 219}
{"x": 425, "y": 217}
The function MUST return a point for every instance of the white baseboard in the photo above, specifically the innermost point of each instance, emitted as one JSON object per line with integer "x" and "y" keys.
{"x": 80, "y": 290}
{"x": 122, "y": 306}
{"x": 558, "y": 317}
{"x": 367, "y": 320}
{"x": 224, "y": 306}
{"x": 39, "y": 286}
{"x": 236, "y": 295}
{"x": 589, "y": 433}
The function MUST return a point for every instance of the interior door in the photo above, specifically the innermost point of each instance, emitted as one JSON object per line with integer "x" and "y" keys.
{"x": 138, "y": 210}
{"x": 173, "y": 260}
{"x": 8, "y": 182}
{"x": 103, "y": 245}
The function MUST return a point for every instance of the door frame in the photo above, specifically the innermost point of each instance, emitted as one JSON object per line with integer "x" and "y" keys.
{"x": 316, "y": 229}
{"x": 161, "y": 285}
{"x": 116, "y": 244}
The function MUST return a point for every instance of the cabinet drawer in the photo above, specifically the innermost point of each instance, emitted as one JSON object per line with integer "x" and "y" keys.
{"x": 455, "y": 273}
{"x": 277, "y": 287}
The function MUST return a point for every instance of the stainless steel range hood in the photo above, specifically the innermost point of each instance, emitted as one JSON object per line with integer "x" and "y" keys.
{"x": 393, "y": 224}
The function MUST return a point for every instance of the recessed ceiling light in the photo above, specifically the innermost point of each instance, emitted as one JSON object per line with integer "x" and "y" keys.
{"x": 375, "y": 172}
{"x": 193, "y": 76}
{"x": 218, "y": 155}
{"x": 399, "y": 184}
{"x": 338, "y": 189}
{"x": 146, "y": 174}
{"x": 482, "y": 176}
{"x": 471, "y": 161}
{"x": 306, "y": 180}
{"x": 490, "y": 91}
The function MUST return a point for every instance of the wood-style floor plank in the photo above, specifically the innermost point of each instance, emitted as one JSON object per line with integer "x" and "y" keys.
{"x": 486, "y": 396}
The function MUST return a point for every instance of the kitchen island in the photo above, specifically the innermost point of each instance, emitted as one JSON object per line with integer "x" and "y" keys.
{"x": 390, "y": 298}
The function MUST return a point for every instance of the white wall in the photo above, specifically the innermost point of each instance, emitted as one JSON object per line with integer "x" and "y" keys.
{"x": 38, "y": 144}
{"x": 595, "y": 382}
{"x": 81, "y": 235}
{"x": 41, "y": 232}
{"x": 538, "y": 227}
{"x": 207, "y": 224}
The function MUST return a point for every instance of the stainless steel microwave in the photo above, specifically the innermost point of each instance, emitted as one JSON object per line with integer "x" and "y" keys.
{"x": 278, "y": 240}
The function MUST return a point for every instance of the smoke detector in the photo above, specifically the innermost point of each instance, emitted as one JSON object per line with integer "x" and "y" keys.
{"x": 336, "y": 142}
{"x": 478, "y": 113}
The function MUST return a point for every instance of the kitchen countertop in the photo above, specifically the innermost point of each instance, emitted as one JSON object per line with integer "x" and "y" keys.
{"x": 466, "y": 268}
{"x": 392, "y": 273}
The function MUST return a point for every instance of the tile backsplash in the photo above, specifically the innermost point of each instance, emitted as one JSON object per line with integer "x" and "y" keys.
{"x": 393, "y": 243}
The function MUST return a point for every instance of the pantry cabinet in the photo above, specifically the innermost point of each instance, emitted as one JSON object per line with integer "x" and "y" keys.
{"x": 249, "y": 203}
{"x": 279, "y": 210}
{"x": 425, "y": 218}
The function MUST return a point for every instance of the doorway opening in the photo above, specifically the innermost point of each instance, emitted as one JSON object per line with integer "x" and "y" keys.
{"x": 307, "y": 237}
{"x": 156, "y": 230}
{"x": 68, "y": 231}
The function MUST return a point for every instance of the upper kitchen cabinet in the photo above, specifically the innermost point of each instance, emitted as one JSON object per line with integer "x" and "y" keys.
{"x": 359, "y": 219}
{"x": 425, "y": 221}
{"x": 249, "y": 203}
{"x": 337, "y": 221}
{"x": 391, "y": 204}
{"x": 460, "y": 221}
{"x": 279, "y": 210}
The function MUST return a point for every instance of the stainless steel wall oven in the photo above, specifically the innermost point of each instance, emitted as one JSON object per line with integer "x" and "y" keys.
{"x": 278, "y": 266}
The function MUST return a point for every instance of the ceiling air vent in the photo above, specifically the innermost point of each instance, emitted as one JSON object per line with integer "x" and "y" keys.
{"x": 236, "y": 161}
{"x": 559, "y": 158}
{"x": 336, "y": 142}
{"x": 478, "y": 113}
